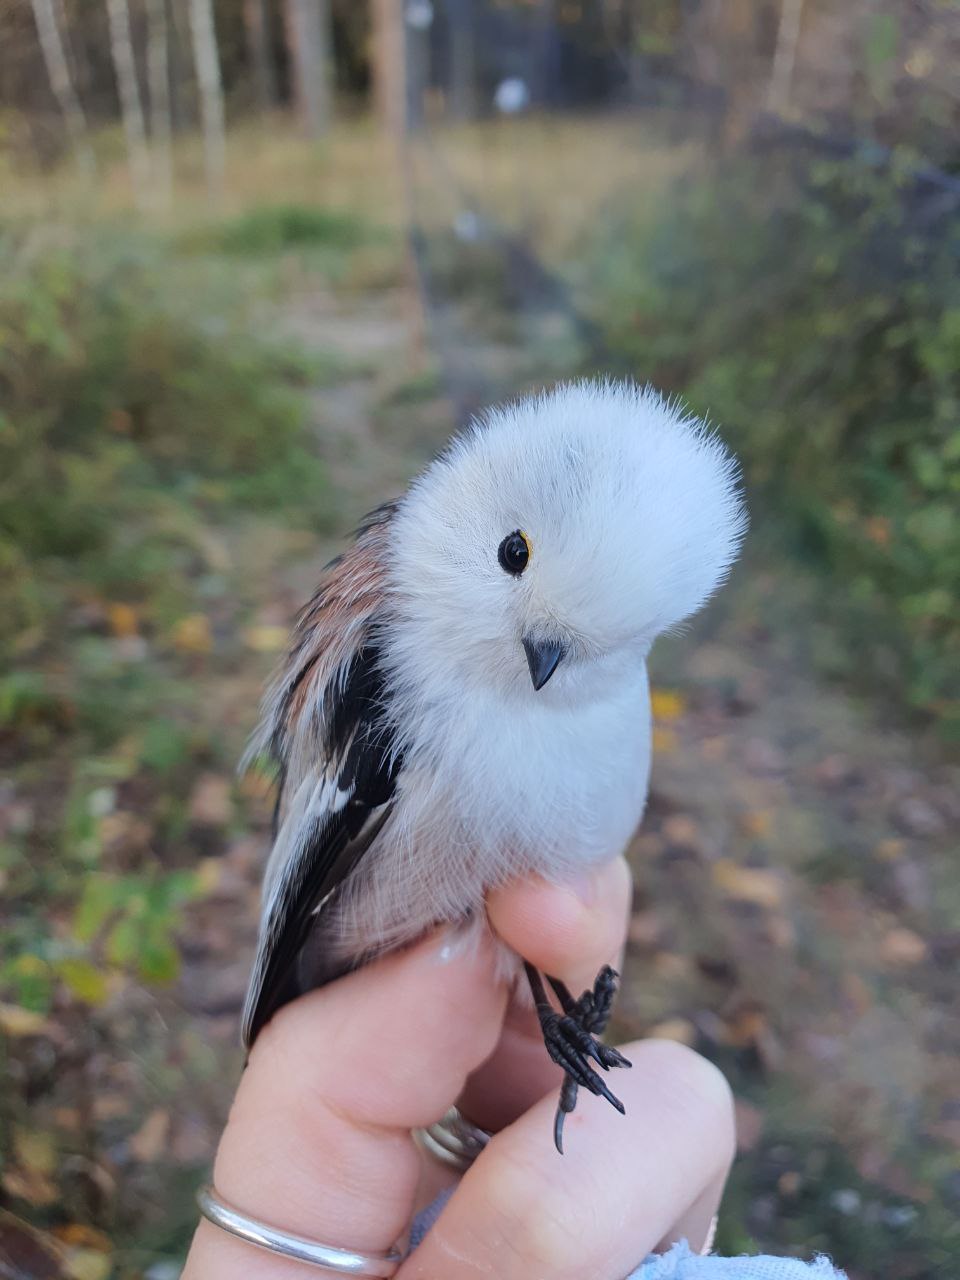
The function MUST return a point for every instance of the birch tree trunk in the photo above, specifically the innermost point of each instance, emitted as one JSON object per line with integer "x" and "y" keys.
{"x": 308, "y": 40}
{"x": 207, "y": 63}
{"x": 131, "y": 109}
{"x": 158, "y": 79}
{"x": 785, "y": 56}
{"x": 257, "y": 26}
{"x": 58, "y": 70}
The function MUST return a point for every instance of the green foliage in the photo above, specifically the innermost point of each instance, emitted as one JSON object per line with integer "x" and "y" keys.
{"x": 126, "y": 403}
{"x": 143, "y": 425}
{"x": 273, "y": 228}
{"x": 812, "y": 307}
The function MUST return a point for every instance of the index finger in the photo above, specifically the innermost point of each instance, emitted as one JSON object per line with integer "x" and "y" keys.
{"x": 318, "y": 1142}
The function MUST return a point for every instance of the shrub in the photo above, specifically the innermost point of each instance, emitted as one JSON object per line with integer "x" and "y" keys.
{"x": 126, "y": 402}
{"x": 812, "y": 306}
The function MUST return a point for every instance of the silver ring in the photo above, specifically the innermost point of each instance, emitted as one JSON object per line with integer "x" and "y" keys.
{"x": 454, "y": 1140}
{"x": 343, "y": 1261}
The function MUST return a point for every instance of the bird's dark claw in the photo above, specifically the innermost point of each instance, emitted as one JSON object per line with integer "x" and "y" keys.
{"x": 571, "y": 1040}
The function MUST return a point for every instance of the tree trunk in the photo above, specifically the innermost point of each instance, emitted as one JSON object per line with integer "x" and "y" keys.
{"x": 308, "y": 40}
{"x": 389, "y": 65}
{"x": 785, "y": 56}
{"x": 257, "y": 26}
{"x": 207, "y": 64}
{"x": 158, "y": 78}
{"x": 124, "y": 67}
{"x": 55, "y": 59}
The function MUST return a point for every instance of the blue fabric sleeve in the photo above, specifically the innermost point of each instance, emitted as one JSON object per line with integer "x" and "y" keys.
{"x": 680, "y": 1264}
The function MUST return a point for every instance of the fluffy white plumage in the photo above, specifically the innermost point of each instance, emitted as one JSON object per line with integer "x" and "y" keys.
{"x": 410, "y": 668}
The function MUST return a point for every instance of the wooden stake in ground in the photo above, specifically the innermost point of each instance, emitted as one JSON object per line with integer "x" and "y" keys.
{"x": 207, "y": 63}
{"x": 58, "y": 69}
{"x": 158, "y": 80}
{"x": 308, "y": 41}
{"x": 131, "y": 109}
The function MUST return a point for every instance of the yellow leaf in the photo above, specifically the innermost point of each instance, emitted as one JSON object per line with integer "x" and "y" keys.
{"x": 192, "y": 634}
{"x": 84, "y": 980}
{"x": 266, "y": 639}
{"x": 15, "y": 1021}
{"x": 748, "y": 884}
{"x": 35, "y": 1150}
{"x": 88, "y": 1264}
{"x": 667, "y": 704}
{"x": 122, "y": 619}
{"x": 757, "y": 823}
{"x": 79, "y": 1236}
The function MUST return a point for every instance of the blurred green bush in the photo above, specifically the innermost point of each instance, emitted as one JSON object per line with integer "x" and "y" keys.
{"x": 128, "y": 399}
{"x": 812, "y": 306}
{"x": 142, "y": 421}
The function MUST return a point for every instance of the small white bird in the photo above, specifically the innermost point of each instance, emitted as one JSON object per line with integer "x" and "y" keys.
{"x": 466, "y": 696}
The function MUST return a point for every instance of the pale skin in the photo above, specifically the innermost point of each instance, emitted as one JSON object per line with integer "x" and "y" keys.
{"x": 318, "y": 1140}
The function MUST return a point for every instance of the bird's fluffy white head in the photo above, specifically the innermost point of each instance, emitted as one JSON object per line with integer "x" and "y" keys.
{"x": 633, "y": 516}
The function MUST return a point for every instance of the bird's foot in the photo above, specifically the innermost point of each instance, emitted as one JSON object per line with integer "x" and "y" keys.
{"x": 571, "y": 1040}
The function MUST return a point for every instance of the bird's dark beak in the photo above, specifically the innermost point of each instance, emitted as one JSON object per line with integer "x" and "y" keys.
{"x": 543, "y": 658}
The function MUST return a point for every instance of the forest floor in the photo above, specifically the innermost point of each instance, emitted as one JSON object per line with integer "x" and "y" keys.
{"x": 796, "y": 913}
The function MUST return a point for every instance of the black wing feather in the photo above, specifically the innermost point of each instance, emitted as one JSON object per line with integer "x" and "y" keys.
{"x": 359, "y": 735}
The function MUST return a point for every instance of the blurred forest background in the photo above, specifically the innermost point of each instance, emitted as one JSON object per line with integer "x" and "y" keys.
{"x": 257, "y": 259}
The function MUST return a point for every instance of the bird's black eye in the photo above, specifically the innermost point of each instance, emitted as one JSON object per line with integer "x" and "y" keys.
{"x": 514, "y": 553}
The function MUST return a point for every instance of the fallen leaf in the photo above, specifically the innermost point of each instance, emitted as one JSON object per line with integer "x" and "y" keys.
{"x": 192, "y": 634}
{"x": 34, "y": 1150}
{"x": 266, "y": 639}
{"x": 151, "y": 1138}
{"x": 84, "y": 980}
{"x": 26, "y": 1184}
{"x": 745, "y": 1026}
{"x": 681, "y": 829}
{"x": 891, "y": 849}
{"x": 88, "y": 1264}
{"x": 123, "y": 620}
{"x": 903, "y": 947}
{"x": 16, "y": 1021}
{"x": 667, "y": 704}
{"x": 79, "y": 1236}
{"x": 748, "y": 884}
{"x": 757, "y": 823}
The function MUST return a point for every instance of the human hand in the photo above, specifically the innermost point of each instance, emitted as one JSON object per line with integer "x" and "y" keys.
{"x": 319, "y": 1137}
